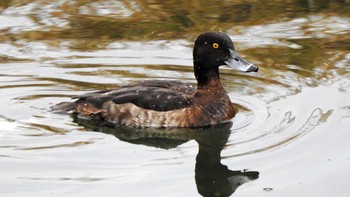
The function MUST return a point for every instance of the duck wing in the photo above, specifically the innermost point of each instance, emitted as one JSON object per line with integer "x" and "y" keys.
{"x": 151, "y": 95}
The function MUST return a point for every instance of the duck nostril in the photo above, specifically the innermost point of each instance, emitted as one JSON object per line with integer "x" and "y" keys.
{"x": 236, "y": 59}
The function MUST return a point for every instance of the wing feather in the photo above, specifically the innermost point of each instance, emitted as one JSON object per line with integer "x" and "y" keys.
{"x": 152, "y": 95}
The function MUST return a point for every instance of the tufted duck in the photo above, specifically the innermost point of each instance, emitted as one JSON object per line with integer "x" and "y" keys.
{"x": 170, "y": 103}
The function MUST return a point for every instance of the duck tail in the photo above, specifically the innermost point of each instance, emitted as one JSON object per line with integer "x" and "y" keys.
{"x": 64, "y": 107}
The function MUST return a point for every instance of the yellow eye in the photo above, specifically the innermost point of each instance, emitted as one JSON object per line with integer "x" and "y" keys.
{"x": 216, "y": 45}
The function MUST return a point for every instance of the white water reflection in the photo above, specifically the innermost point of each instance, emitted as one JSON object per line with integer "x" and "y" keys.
{"x": 281, "y": 33}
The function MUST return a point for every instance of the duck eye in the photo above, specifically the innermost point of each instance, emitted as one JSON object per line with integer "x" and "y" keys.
{"x": 215, "y": 45}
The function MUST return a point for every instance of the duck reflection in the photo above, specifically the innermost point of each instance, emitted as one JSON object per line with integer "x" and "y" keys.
{"x": 212, "y": 177}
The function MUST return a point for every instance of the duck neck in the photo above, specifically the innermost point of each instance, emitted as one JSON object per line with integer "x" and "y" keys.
{"x": 207, "y": 76}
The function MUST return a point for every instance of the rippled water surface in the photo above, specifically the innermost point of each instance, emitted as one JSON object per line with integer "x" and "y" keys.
{"x": 290, "y": 137}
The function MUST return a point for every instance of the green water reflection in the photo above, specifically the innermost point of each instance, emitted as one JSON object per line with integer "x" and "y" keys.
{"x": 92, "y": 25}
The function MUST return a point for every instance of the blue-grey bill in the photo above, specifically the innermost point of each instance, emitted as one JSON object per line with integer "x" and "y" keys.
{"x": 238, "y": 63}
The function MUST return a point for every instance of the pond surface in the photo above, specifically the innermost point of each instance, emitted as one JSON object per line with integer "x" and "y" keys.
{"x": 290, "y": 137}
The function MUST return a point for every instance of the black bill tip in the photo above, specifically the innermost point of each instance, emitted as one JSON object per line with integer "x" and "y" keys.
{"x": 253, "y": 68}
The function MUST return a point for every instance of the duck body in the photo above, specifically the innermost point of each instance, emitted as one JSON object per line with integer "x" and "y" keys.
{"x": 157, "y": 104}
{"x": 169, "y": 103}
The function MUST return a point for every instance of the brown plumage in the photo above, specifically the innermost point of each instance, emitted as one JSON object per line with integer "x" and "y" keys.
{"x": 170, "y": 103}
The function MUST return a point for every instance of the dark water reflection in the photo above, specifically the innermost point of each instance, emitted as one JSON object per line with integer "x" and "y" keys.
{"x": 212, "y": 177}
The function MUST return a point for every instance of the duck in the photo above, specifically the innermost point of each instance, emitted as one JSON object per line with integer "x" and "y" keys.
{"x": 170, "y": 104}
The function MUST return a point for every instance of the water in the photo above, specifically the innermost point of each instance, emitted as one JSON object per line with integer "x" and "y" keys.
{"x": 290, "y": 137}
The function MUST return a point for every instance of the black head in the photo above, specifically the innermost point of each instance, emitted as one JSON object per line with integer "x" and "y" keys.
{"x": 213, "y": 49}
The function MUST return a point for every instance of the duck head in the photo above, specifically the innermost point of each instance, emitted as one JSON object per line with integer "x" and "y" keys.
{"x": 214, "y": 49}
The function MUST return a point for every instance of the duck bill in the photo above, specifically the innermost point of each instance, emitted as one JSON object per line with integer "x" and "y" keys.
{"x": 238, "y": 63}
